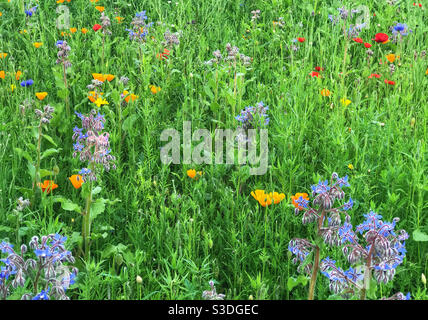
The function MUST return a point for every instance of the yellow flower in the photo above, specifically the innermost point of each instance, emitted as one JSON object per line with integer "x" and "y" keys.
{"x": 345, "y": 102}
{"x": 84, "y": 30}
{"x": 1, "y": 13}
{"x": 154, "y": 89}
{"x": 350, "y": 166}
{"x": 119, "y": 19}
{"x": 41, "y": 95}
{"x": 98, "y": 76}
{"x": 391, "y": 57}
{"x": 325, "y": 92}
{"x": 99, "y": 8}
{"x": 193, "y": 174}
{"x": 12, "y": 87}
{"x": 426, "y": 71}
{"x": 100, "y": 101}
{"x": 73, "y": 30}
{"x": 2, "y": 74}
{"x": 37, "y": 44}
{"x": 3, "y": 55}
{"x": 23, "y": 31}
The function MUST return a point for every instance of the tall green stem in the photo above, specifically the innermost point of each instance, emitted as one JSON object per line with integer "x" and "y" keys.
{"x": 367, "y": 273}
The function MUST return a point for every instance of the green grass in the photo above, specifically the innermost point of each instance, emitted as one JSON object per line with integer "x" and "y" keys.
{"x": 177, "y": 233}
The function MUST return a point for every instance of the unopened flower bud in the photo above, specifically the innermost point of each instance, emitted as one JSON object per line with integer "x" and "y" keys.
{"x": 139, "y": 280}
{"x": 424, "y": 280}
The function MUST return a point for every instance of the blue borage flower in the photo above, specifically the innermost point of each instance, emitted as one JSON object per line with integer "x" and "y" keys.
{"x": 251, "y": 115}
{"x": 43, "y": 295}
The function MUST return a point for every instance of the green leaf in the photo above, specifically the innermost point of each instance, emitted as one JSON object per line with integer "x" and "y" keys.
{"x": 49, "y": 139}
{"x": 23, "y": 154}
{"x": 48, "y": 153}
{"x": 129, "y": 122}
{"x": 44, "y": 173}
{"x": 97, "y": 208}
{"x": 291, "y": 283}
{"x": 209, "y": 92}
{"x": 419, "y": 235}
{"x": 31, "y": 170}
{"x": 96, "y": 190}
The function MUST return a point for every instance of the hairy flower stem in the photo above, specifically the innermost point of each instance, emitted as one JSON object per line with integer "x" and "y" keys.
{"x": 367, "y": 273}
{"x": 39, "y": 143}
{"x": 67, "y": 107}
{"x": 315, "y": 269}
{"x": 86, "y": 225}
{"x": 314, "y": 274}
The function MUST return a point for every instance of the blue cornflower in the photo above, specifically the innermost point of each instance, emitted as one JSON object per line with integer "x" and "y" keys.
{"x": 31, "y": 11}
{"x": 27, "y": 83}
{"x": 401, "y": 28}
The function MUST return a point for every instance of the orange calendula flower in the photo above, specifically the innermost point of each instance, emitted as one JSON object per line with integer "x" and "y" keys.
{"x": 18, "y": 75}
{"x": 98, "y": 76}
{"x": 2, "y": 74}
{"x": 119, "y": 19}
{"x": 193, "y": 174}
{"x": 41, "y": 95}
{"x": 266, "y": 199}
{"x": 128, "y": 96}
{"x": 263, "y": 198}
{"x": 47, "y": 186}
{"x": 3, "y": 55}
{"x": 76, "y": 180}
{"x": 73, "y": 30}
{"x": 325, "y": 92}
{"x": 426, "y": 71}
{"x": 99, "y": 8}
{"x": 93, "y": 96}
{"x": 84, "y": 30}
{"x": 391, "y": 57}
{"x": 37, "y": 44}
{"x": 154, "y": 89}
{"x": 296, "y": 197}
{"x": 277, "y": 197}
{"x": 108, "y": 77}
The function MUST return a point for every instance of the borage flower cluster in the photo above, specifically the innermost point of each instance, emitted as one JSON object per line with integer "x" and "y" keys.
{"x": 48, "y": 270}
{"x": 251, "y": 116}
{"x": 139, "y": 29}
{"x": 92, "y": 146}
{"x": 383, "y": 252}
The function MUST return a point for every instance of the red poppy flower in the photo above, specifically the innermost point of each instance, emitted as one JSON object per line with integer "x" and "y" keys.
{"x": 381, "y": 37}
{"x": 315, "y": 74}
{"x": 96, "y": 27}
{"x": 359, "y": 40}
{"x": 319, "y": 69}
{"x": 367, "y": 45}
{"x": 301, "y": 39}
{"x": 374, "y": 75}
{"x": 390, "y": 82}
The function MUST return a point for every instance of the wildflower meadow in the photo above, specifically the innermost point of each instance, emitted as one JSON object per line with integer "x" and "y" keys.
{"x": 213, "y": 149}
